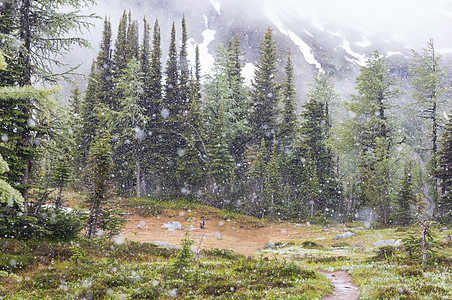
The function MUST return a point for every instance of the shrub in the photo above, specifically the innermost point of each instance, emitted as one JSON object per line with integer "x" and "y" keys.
{"x": 386, "y": 253}
{"x": 14, "y": 263}
{"x": 311, "y": 245}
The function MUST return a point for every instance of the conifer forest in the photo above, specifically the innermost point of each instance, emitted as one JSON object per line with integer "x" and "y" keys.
{"x": 149, "y": 130}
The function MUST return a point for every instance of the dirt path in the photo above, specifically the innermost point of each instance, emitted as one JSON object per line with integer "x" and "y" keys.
{"x": 343, "y": 287}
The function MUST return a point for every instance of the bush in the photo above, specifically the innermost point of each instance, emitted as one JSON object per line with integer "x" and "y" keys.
{"x": 311, "y": 245}
{"x": 14, "y": 263}
{"x": 46, "y": 224}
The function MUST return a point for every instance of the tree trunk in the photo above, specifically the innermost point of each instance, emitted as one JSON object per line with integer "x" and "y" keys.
{"x": 25, "y": 37}
{"x": 138, "y": 179}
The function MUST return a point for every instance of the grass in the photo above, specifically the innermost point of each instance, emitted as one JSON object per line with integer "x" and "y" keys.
{"x": 104, "y": 270}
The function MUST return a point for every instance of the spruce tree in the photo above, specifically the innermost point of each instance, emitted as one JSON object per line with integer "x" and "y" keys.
{"x": 132, "y": 44}
{"x": 445, "y": 174}
{"x": 264, "y": 93}
{"x": 184, "y": 75}
{"x": 288, "y": 126}
{"x": 315, "y": 132}
{"x": 120, "y": 53}
{"x": 402, "y": 213}
{"x": 104, "y": 86}
{"x": 100, "y": 167}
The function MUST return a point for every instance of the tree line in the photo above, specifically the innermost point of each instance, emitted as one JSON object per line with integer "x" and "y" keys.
{"x": 144, "y": 129}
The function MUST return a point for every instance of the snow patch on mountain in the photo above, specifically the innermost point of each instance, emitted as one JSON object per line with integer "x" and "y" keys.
{"x": 364, "y": 43}
{"x": 391, "y": 53}
{"x": 302, "y": 45}
{"x": 358, "y": 58}
{"x": 248, "y": 73}
{"x": 206, "y": 59}
{"x": 216, "y": 5}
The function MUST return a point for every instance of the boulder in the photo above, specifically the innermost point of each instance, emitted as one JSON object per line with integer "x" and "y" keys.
{"x": 163, "y": 244}
{"x": 391, "y": 242}
{"x": 269, "y": 245}
{"x": 344, "y": 235}
{"x": 173, "y": 225}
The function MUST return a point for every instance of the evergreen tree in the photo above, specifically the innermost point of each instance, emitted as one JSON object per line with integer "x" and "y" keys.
{"x": 220, "y": 161}
{"x": 311, "y": 183}
{"x": 239, "y": 97}
{"x": 120, "y": 54}
{"x": 369, "y": 133}
{"x": 272, "y": 183}
{"x": 430, "y": 88}
{"x": 88, "y": 121}
{"x": 104, "y": 83}
{"x": 132, "y": 45}
{"x": 129, "y": 124}
{"x": 402, "y": 213}
{"x": 100, "y": 167}
{"x": 218, "y": 92}
{"x": 264, "y": 93}
{"x": 257, "y": 165}
{"x": 288, "y": 125}
{"x": 184, "y": 76}
{"x": 445, "y": 173}
{"x": 315, "y": 132}
{"x": 39, "y": 49}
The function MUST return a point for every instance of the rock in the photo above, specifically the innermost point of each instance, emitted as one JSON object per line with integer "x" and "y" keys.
{"x": 139, "y": 226}
{"x": 173, "y": 225}
{"x": 360, "y": 228}
{"x": 360, "y": 246}
{"x": 218, "y": 235}
{"x": 344, "y": 235}
{"x": 163, "y": 244}
{"x": 328, "y": 228}
{"x": 320, "y": 238}
{"x": 391, "y": 242}
{"x": 269, "y": 245}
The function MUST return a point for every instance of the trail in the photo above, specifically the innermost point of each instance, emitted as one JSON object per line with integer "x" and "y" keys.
{"x": 344, "y": 289}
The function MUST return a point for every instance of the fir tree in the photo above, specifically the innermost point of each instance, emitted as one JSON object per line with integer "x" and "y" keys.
{"x": 264, "y": 93}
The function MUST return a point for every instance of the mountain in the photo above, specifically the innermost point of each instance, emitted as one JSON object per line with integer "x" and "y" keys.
{"x": 326, "y": 45}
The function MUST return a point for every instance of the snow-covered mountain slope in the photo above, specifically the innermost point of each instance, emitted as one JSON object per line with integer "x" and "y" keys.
{"x": 318, "y": 41}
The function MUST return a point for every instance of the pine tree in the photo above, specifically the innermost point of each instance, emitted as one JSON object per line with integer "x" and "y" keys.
{"x": 430, "y": 90}
{"x": 264, "y": 93}
{"x": 311, "y": 183}
{"x": 445, "y": 174}
{"x": 402, "y": 213}
{"x": 100, "y": 167}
